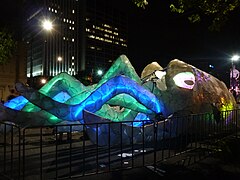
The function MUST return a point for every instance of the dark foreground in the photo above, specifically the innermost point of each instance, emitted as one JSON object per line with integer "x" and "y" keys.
{"x": 223, "y": 164}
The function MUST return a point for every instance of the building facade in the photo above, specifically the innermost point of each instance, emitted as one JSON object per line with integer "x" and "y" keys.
{"x": 85, "y": 35}
{"x": 12, "y": 72}
{"x": 106, "y": 34}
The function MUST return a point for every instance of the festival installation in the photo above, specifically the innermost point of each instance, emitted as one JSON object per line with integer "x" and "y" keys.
{"x": 120, "y": 96}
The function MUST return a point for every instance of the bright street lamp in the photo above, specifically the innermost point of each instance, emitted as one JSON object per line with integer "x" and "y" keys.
{"x": 99, "y": 72}
{"x": 43, "y": 81}
{"x": 59, "y": 58}
{"x": 47, "y": 25}
{"x": 235, "y": 58}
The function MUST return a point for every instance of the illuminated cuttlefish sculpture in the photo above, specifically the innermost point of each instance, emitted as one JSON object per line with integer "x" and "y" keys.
{"x": 121, "y": 95}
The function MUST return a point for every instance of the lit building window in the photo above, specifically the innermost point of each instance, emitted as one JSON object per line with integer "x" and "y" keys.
{"x": 72, "y": 40}
{"x": 91, "y": 36}
{"x": 73, "y": 11}
{"x": 72, "y": 57}
{"x": 106, "y": 25}
{"x": 107, "y": 40}
{"x": 106, "y": 30}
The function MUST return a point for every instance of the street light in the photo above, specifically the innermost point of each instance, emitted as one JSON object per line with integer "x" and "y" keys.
{"x": 234, "y": 58}
{"x": 47, "y": 26}
{"x": 43, "y": 81}
{"x": 99, "y": 72}
{"x": 59, "y": 58}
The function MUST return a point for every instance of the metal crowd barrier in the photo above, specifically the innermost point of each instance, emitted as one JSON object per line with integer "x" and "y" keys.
{"x": 78, "y": 150}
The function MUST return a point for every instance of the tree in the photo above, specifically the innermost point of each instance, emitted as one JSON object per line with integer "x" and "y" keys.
{"x": 218, "y": 10}
{"x": 7, "y": 45}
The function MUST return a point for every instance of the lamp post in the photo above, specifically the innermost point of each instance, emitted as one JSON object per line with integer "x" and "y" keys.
{"x": 232, "y": 84}
{"x": 47, "y": 26}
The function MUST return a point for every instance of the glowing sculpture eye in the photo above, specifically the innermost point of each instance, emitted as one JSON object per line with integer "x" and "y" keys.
{"x": 184, "y": 80}
{"x": 160, "y": 74}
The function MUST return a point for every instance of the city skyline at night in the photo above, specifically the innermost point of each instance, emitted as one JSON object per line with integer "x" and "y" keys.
{"x": 156, "y": 34}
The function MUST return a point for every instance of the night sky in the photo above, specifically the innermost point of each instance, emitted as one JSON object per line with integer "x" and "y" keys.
{"x": 10, "y": 16}
{"x": 156, "y": 34}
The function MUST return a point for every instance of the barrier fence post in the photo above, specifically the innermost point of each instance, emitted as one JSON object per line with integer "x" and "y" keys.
{"x": 236, "y": 123}
{"x": 155, "y": 145}
{"x": 23, "y": 153}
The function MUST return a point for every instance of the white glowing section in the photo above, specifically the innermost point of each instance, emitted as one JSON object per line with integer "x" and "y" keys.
{"x": 184, "y": 80}
{"x": 160, "y": 74}
{"x": 155, "y": 63}
{"x": 47, "y": 25}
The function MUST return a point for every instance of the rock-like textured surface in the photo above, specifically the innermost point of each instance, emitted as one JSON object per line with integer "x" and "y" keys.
{"x": 195, "y": 92}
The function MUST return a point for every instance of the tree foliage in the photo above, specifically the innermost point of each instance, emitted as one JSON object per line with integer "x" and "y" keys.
{"x": 141, "y": 3}
{"x": 7, "y": 45}
{"x": 218, "y": 10}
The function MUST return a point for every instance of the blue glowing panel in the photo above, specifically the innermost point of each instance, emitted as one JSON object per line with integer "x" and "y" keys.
{"x": 140, "y": 117}
{"x": 62, "y": 97}
{"x": 17, "y": 103}
{"x": 94, "y": 102}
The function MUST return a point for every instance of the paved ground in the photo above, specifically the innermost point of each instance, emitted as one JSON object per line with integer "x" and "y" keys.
{"x": 209, "y": 168}
{"x": 221, "y": 165}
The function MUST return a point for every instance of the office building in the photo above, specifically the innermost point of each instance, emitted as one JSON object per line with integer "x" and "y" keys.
{"x": 81, "y": 35}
